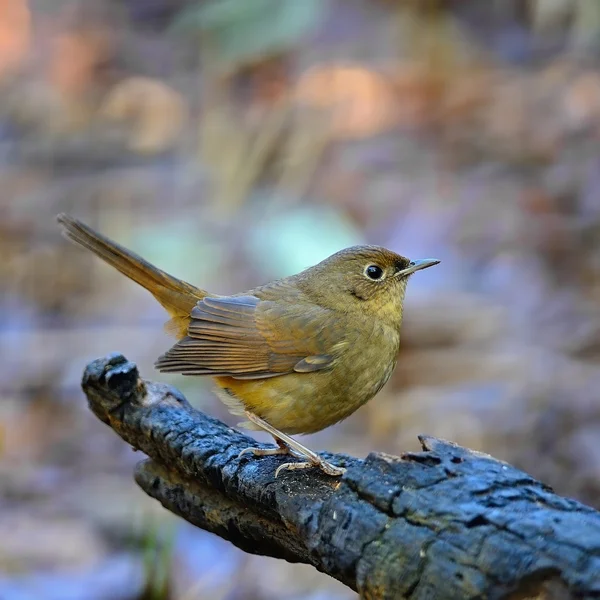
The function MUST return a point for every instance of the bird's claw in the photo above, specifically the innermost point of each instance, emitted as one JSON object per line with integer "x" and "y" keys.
{"x": 265, "y": 451}
{"x": 326, "y": 467}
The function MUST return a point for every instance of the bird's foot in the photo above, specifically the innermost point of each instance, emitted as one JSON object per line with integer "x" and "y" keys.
{"x": 326, "y": 467}
{"x": 288, "y": 445}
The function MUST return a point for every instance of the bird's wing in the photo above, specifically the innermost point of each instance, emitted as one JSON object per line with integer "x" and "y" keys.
{"x": 248, "y": 338}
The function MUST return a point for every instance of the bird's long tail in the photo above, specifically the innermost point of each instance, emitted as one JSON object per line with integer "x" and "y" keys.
{"x": 175, "y": 295}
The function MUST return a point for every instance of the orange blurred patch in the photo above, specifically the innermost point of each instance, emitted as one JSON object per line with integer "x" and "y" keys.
{"x": 75, "y": 58}
{"x": 418, "y": 91}
{"x": 154, "y": 112}
{"x": 15, "y": 34}
{"x": 465, "y": 95}
{"x": 361, "y": 101}
{"x": 582, "y": 101}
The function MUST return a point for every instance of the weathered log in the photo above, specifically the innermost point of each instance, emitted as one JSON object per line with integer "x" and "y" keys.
{"x": 447, "y": 522}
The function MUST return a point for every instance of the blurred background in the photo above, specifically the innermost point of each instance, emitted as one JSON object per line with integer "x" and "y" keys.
{"x": 233, "y": 141}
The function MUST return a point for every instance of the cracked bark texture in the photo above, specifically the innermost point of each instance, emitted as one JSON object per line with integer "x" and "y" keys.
{"x": 447, "y": 522}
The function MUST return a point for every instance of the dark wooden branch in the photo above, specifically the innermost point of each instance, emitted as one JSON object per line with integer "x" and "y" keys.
{"x": 443, "y": 523}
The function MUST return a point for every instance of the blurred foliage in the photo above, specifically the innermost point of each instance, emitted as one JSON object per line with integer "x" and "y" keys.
{"x": 236, "y": 141}
{"x": 158, "y": 554}
{"x": 241, "y": 32}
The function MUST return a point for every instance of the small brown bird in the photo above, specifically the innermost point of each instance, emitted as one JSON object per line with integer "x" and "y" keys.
{"x": 294, "y": 356}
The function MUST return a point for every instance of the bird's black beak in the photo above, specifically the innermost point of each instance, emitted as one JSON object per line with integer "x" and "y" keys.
{"x": 417, "y": 265}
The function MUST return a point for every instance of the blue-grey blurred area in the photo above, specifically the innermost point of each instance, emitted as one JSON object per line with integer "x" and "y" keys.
{"x": 231, "y": 142}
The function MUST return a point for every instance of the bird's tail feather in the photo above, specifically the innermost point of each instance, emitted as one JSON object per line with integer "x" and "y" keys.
{"x": 175, "y": 295}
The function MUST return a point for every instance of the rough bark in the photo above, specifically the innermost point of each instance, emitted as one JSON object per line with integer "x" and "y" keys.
{"x": 447, "y": 522}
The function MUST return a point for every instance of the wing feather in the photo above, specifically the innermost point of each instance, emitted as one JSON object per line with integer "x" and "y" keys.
{"x": 248, "y": 338}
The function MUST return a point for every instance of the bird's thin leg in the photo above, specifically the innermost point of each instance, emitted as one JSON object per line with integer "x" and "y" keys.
{"x": 292, "y": 447}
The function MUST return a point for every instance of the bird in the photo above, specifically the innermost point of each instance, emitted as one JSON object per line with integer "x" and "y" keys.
{"x": 293, "y": 356}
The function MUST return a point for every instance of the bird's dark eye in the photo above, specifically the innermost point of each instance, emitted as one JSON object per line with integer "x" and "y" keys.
{"x": 374, "y": 272}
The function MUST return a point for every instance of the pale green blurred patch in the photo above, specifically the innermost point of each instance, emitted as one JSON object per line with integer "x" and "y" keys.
{"x": 243, "y": 31}
{"x": 297, "y": 238}
{"x": 180, "y": 249}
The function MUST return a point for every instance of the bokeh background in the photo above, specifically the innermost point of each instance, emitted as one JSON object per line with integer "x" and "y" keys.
{"x": 235, "y": 141}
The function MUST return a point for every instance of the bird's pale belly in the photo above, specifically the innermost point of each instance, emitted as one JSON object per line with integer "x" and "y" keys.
{"x": 308, "y": 402}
